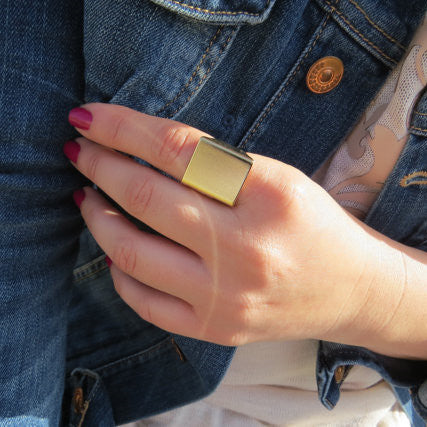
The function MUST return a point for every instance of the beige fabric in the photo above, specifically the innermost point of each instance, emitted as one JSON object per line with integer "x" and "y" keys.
{"x": 357, "y": 171}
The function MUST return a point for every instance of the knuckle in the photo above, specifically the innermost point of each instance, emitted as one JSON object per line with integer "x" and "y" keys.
{"x": 138, "y": 195}
{"x": 92, "y": 166}
{"x": 144, "y": 309}
{"x": 171, "y": 144}
{"x": 124, "y": 256}
{"x": 118, "y": 130}
{"x": 255, "y": 254}
{"x": 190, "y": 215}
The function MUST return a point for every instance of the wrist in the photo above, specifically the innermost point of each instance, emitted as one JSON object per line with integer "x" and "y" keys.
{"x": 402, "y": 331}
{"x": 389, "y": 314}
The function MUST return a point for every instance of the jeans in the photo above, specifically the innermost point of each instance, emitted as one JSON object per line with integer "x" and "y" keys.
{"x": 71, "y": 352}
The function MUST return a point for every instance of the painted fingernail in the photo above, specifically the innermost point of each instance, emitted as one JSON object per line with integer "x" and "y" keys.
{"x": 72, "y": 150}
{"x": 79, "y": 196}
{"x": 80, "y": 118}
{"x": 108, "y": 260}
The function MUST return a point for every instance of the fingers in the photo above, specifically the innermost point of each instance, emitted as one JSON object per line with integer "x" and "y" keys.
{"x": 166, "y": 144}
{"x": 170, "y": 208}
{"x": 154, "y": 260}
{"x": 163, "y": 310}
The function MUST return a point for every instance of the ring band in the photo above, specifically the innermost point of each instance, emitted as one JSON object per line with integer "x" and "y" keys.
{"x": 217, "y": 169}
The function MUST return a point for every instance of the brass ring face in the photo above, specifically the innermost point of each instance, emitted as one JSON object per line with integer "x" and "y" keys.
{"x": 217, "y": 170}
{"x": 325, "y": 74}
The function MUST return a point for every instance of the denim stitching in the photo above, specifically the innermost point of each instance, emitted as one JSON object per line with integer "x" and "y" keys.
{"x": 206, "y": 74}
{"x": 377, "y": 27}
{"x": 202, "y": 60}
{"x": 87, "y": 267}
{"x": 421, "y": 114}
{"x": 85, "y": 408}
{"x": 135, "y": 356}
{"x": 404, "y": 181}
{"x": 359, "y": 33}
{"x": 94, "y": 273}
{"x": 178, "y": 350}
{"x": 279, "y": 95}
{"x": 218, "y": 12}
{"x": 421, "y": 129}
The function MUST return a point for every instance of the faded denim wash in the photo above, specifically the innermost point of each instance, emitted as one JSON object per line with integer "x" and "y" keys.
{"x": 71, "y": 352}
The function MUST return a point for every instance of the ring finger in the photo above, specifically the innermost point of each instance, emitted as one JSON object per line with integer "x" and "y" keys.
{"x": 151, "y": 259}
{"x": 172, "y": 209}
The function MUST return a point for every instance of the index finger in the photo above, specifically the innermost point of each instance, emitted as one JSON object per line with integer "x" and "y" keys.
{"x": 166, "y": 144}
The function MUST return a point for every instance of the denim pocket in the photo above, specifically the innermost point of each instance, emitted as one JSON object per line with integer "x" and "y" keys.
{"x": 149, "y": 56}
{"x": 221, "y": 11}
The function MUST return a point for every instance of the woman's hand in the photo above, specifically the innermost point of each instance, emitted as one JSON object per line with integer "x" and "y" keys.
{"x": 287, "y": 262}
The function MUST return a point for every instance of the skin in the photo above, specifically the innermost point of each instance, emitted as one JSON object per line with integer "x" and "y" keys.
{"x": 285, "y": 263}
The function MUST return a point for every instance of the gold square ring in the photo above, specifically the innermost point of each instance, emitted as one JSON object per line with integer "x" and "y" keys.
{"x": 217, "y": 169}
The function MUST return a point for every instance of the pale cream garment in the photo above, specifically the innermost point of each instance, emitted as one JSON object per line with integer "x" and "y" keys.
{"x": 273, "y": 383}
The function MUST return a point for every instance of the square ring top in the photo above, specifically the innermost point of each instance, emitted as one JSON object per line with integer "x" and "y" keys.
{"x": 217, "y": 169}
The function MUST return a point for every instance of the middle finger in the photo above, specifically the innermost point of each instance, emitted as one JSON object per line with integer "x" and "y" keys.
{"x": 172, "y": 209}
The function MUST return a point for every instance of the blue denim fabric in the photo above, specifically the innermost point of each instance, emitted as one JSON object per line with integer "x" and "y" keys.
{"x": 233, "y": 69}
{"x": 41, "y": 71}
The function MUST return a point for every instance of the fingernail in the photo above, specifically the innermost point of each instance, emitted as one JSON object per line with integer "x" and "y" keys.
{"x": 79, "y": 196}
{"x": 80, "y": 118}
{"x": 72, "y": 150}
{"x": 108, "y": 260}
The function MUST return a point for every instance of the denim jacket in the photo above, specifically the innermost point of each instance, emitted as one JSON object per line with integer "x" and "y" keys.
{"x": 237, "y": 71}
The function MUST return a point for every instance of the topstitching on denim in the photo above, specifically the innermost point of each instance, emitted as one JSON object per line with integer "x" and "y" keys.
{"x": 376, "y": 26}
{"x": 201, "y": 74}
{"x": 269, "y": 107}
{"x": 221, "y": 11}
{"x": 360, "y": 26}
{"x": 90, "y": 269}
{"x": 217, "y": 12}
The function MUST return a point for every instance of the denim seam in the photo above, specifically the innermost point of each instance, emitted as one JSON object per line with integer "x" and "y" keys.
{"x": 101, "y": 267}
{"x": 279, "y": 95}
{"x": 323, "y": 391}
{"x": 377, "y": 27}
{"x": 202, "y": 60}
{"x": 223, "y": 47}
{"x": 421, "y": 129}
{"x": 404, "y": 181}
{"x": 354, "y": 354}
{"x": 94, "y": 273}
{"x": 370, "y": 43}
{"x": 105, "y": 344}
{"x": 88, "y": 265}
{"x": 135, "y": 356}
{"x": 421, "y": 114}
{"x": 349, "y": 353}
{"x": 83, "y": 415}
{"x": 218, "y": 12}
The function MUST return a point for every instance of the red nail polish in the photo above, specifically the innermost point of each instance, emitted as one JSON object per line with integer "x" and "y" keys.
{"x": 108, "y": 260}
{"x": 79, "y": 196}
{"x": 80, "y": 118}
{"x": 72, "y": 150}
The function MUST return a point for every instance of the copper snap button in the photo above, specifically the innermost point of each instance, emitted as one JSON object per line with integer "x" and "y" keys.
{"x": 339, "y": 374}
{"x": 325, "y": 74}
{"x": 78, "y": 401}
